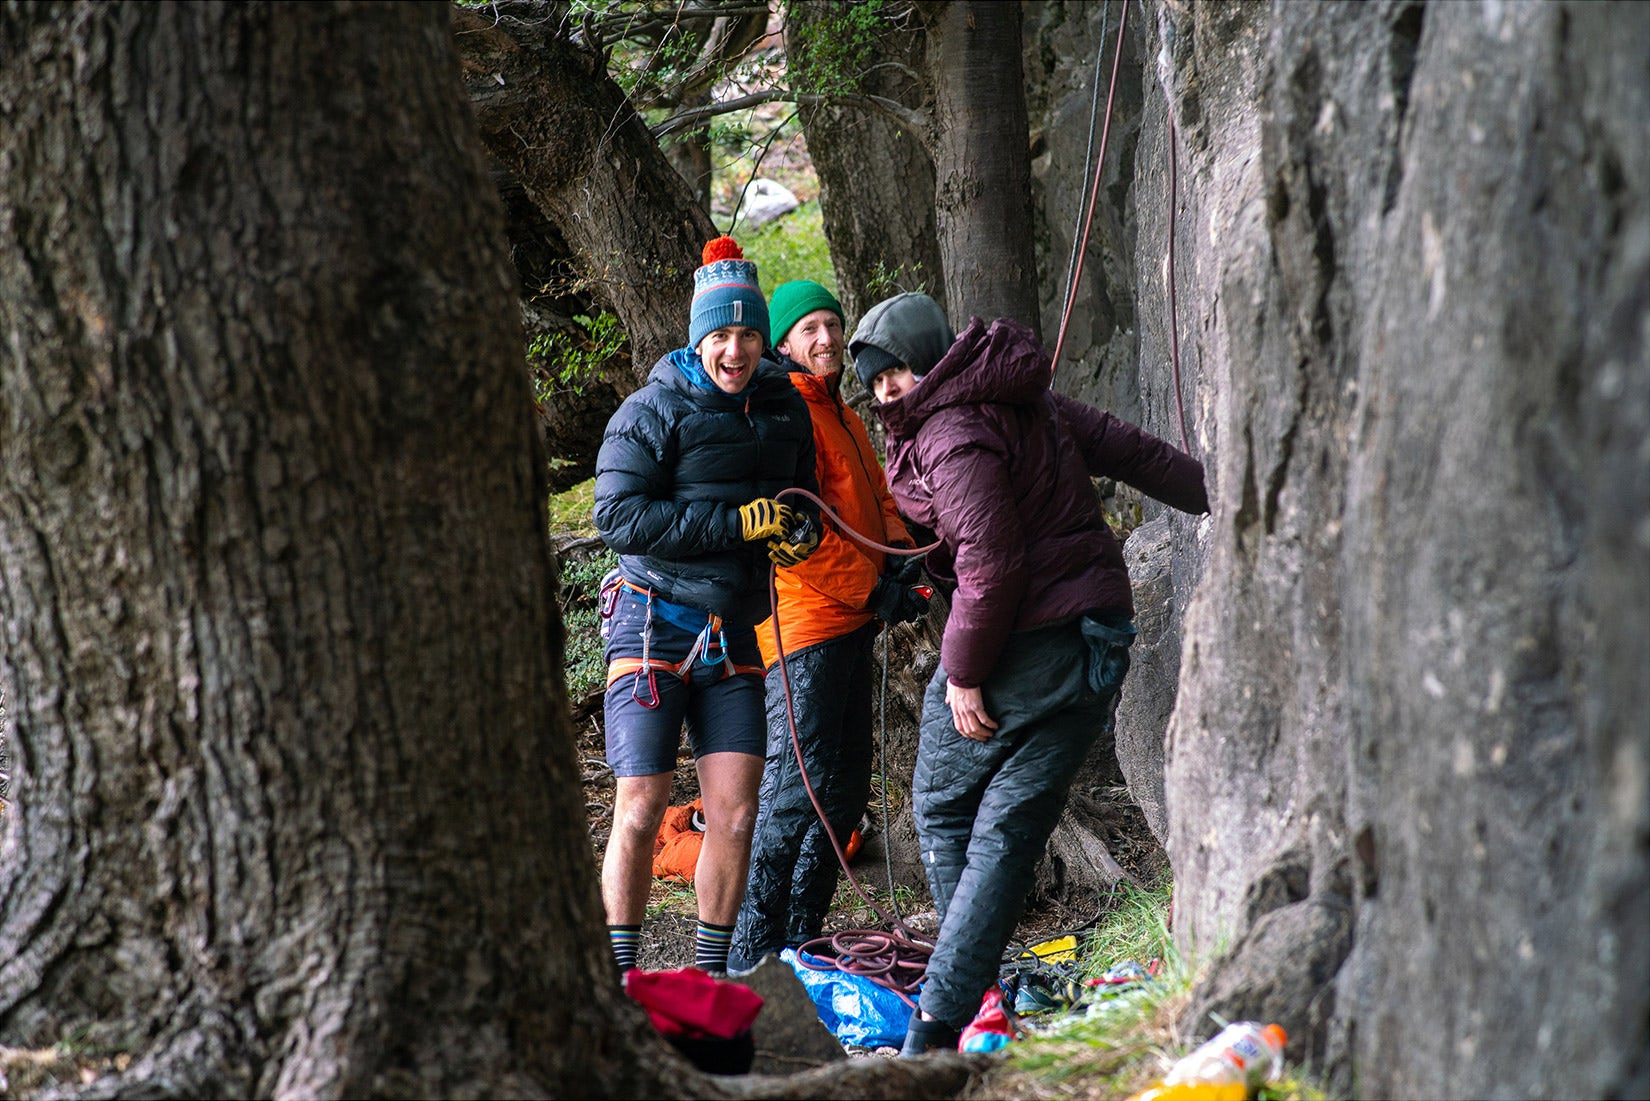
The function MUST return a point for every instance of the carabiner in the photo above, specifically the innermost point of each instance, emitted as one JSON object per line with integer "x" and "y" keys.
{"x": 702, "y": 646}
{"x": 652, "y": 702}
{"x": 647, "y": 663}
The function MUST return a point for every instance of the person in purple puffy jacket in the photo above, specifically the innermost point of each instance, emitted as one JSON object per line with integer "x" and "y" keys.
{"x": 984, "y": 454}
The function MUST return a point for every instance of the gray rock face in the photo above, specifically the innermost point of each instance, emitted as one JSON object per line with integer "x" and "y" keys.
{"x": 788, "y": 1033}
{"x": 1154, "y": 669}
{"x": 1407, "y": 779}
{"x": 1070, "y": 47}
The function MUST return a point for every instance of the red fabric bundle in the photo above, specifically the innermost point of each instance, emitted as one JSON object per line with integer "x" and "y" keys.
{"x": 689, "y": 1002}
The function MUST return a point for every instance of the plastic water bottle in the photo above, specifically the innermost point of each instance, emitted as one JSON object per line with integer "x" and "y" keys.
{"x": 1230, "y": 1067}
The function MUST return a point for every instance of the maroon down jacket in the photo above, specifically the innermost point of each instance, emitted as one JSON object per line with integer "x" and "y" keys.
{"x": 985, "y": 455}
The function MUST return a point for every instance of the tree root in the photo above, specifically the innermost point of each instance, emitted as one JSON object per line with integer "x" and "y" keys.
{"x": 936, "y": 1077}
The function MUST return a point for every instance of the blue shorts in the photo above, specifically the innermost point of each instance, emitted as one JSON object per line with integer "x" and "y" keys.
{"x": 723, "y": 711}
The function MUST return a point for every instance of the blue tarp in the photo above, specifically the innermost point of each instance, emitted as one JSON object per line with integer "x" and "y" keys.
{"x": 855, "y": 1009}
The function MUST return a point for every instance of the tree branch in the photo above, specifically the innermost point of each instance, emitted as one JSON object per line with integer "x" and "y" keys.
{"x": 913, "y": 122}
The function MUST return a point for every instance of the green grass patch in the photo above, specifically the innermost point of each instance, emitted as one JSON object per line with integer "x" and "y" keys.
{"x": 1135, "y": 928}
{"x": 1111, "y": 1043}
{"x": 668, "y": 896}
{"x": 1117, "y": 1046}
{"x": 571, "y": 510}
{"x": 792, "y": 247}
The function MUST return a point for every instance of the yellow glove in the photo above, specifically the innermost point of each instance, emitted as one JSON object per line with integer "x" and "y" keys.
{"x": 786, "y": 553}
{"x": 765, "y": 518}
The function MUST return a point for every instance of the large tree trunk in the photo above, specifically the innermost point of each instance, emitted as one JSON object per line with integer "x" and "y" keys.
{"x": 279, "y": 657}
{"x": 294, "y": 810}
{"x": 876, "y": 177}
{"x": 982, "y": 161}
{"x": 553, "y": 117}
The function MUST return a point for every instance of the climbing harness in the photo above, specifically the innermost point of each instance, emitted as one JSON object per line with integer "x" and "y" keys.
{"x": 710, "y": 647}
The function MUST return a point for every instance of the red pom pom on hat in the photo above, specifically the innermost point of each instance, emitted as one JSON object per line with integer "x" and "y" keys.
{"x": 723, "y": 248}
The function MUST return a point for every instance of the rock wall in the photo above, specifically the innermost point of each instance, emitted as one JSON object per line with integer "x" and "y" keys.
{"x": 1070, "y": 57}
{"x": 1070, "y": 47}
{"x": 1407, "y": 779}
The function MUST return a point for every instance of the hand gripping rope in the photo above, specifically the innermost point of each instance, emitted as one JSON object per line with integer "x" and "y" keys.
{"x": 895, "y": 960}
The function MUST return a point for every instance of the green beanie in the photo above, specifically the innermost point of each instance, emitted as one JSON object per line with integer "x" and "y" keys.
{"x": 791, "y": 301}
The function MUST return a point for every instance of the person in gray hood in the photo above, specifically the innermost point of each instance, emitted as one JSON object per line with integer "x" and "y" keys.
{"x": 983, "y": 453}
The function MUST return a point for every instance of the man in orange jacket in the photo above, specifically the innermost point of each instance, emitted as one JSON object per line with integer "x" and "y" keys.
{"x": 828, "y": 608}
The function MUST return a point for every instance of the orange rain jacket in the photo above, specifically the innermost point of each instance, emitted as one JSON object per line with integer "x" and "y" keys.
{"x": 825, "y": 596}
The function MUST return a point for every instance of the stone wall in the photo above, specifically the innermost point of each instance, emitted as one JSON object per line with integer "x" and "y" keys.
{"x": 1408, "y": 774}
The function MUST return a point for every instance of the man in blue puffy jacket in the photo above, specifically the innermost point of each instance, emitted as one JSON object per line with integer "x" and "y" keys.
{"x": 686, "y": 482}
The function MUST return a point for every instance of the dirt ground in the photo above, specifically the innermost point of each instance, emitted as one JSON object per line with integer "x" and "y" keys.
{"x": 668, "y": 932}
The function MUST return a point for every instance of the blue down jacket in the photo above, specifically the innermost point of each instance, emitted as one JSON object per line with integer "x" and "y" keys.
{"x": 678, "y": 459}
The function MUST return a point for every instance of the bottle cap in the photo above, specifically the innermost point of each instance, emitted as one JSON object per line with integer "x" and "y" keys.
{"x": 1277, "y": 1035}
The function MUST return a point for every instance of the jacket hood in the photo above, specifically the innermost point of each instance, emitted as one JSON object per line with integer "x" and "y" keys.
{"x": 908, "y": 328}
{"x": 684, "y": 371}
{"x": 1003, "y": 362}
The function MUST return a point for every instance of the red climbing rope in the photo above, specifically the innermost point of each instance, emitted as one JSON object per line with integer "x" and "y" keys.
{"x": 895, "y": 960}
{"x": 1088, "y": 221}
{"x": 1094, "y": 195}
{"x": 1174, "y": 316}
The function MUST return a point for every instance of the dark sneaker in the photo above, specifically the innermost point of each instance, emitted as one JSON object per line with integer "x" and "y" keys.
{"x": 925, "y": 1036}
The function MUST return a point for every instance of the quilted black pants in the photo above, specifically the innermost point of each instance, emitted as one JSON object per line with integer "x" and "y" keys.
{"x": 985, "y": 810}
{"x": 794, "y": 868}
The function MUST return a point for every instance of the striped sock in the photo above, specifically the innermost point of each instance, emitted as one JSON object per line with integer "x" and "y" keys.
{"x": 710, "y": 948}
{"x": 626, "y": 941}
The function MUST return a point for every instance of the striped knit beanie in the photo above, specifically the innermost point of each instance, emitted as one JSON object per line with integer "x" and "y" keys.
{"x": 725, "y": 292}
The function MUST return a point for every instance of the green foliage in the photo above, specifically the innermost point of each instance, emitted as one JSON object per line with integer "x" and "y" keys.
{"x": 571, "y": 510}
{"x": 562, "y": 361}
{"x": 581, "y": 579}
{"x": 650, "y": 56}
{"x": 792, "y": 247}
{"x": 830, "y": 57}
{"x": 885, "y": 282}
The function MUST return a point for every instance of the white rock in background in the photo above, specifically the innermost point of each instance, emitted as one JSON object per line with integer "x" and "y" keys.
{"x": 764, "y": 201}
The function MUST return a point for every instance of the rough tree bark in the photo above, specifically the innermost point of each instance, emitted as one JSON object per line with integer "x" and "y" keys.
{"x": 294, "y": 810}
{"x": 279, "y": 659}
{"x": 981, "y": 147}
{"x": 876, "y": 178}
{"x": 553, "y": 117}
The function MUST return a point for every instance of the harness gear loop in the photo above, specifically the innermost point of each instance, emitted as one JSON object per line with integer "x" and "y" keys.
{"x": 652, "y": 700}
{"x": 701, "y": 652}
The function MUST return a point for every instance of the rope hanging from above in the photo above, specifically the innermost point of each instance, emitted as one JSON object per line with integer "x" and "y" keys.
{"x": 1080, "y": 245}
